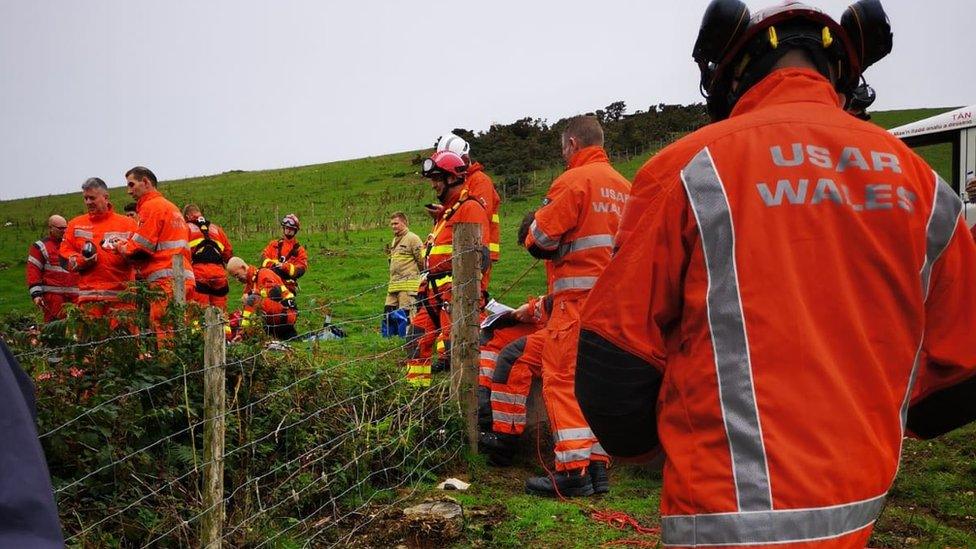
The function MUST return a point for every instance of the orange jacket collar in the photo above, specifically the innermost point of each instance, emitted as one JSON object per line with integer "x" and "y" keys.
{"x": 474, "y": 168}
{"x": 790, "y": 85}
{"x": 103, "y": 215}
{"x": 252, "y": 274}
{"x": 588, "y": 155}
{"x": 146, "y": 198}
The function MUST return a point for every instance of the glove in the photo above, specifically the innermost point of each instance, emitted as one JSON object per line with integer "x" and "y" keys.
{"x": 88, "y": 250}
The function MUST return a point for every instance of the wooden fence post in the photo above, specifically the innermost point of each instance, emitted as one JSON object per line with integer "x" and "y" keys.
{"x": 179, "y": 280}
{"x": 214, "y": 403}
{"x": 465, "y": 297}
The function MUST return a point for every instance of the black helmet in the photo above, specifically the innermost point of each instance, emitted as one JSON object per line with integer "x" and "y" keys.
{"x": 731, "y": 45}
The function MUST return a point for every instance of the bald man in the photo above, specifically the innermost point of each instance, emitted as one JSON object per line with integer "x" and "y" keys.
{"x": 50, "y": 286}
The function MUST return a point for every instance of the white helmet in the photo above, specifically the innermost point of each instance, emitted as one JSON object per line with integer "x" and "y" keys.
{"x": 453, "y": 143}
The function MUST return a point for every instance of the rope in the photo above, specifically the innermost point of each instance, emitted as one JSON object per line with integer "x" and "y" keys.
{"x": 517, "y": 280}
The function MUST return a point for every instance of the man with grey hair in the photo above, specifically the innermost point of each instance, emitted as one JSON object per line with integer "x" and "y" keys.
{"x": 102, "y": 276}
{"x": 49, "y": 284}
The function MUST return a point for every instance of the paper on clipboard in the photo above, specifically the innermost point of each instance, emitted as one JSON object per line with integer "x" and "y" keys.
{"x": 495, "y": 311}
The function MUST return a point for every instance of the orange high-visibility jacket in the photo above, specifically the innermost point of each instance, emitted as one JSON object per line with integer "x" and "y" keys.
{"x": 482, "y": 187}
{"x": 576, "y": 225}
{"x": 45, "y": 273}
{"x": 209, "y": 253}
{"x": 803, "y": 288}
{"x": 440, "y": 243}
{"x": 287, "y": 257}
{"x": 161, "y": 234}
{"x": 106, "y": 275}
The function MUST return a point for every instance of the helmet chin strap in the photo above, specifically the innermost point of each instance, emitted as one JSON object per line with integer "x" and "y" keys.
{"x": 442, "y": 196}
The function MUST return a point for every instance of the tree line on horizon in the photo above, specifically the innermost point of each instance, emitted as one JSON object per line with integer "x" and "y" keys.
{"x": 530, "y": 144}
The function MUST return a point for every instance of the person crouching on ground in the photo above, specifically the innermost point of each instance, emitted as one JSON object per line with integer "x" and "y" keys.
{"x": 266, "y": 297}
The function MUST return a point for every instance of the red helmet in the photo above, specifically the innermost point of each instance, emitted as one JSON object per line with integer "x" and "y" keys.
{"x": 291, "y": 221}
{"x": 731, "y": 45}
{"x": 444, "y": 163}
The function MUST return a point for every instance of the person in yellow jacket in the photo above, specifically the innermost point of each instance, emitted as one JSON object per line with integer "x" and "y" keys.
{"x": 406, "y": 262}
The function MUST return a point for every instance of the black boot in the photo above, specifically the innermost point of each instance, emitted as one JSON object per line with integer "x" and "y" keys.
{"x": 499, "y": 447}
{"x": 599, "y": 477}
{"x": 572, "y": 483}
{"x": 441, "y": 365}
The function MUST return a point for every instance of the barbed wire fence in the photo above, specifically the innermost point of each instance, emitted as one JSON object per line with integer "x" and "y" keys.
{"x": 308, "y": 443}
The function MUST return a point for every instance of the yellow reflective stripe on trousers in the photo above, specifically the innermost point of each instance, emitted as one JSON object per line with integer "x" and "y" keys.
{"x": 494, "y": 247}
{"x": 443, "y": 249}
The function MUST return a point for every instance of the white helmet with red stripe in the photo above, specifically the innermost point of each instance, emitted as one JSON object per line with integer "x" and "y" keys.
{"x": 453, "y": 143}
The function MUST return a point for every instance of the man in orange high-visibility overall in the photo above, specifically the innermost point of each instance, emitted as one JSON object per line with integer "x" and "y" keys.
{"x": 161, "y": 235}
{"x": 573, "y": 231}
{"x": 102, "y": 275}
{"x": 791, "y": 297}
{"x": 49, "y": 284}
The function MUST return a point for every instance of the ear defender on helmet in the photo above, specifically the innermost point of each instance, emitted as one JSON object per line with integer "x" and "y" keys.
{"x": 723, "y": 24}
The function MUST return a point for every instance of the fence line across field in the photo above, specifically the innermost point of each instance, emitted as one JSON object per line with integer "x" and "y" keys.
{"x": 199, "y": 327}
{"x": 184, "y": 375}
{"x": 213, "y": 530}
{"x": 226, "y": 413}
{"x": 254, "y": 442}
{"x": 331, "y": 442}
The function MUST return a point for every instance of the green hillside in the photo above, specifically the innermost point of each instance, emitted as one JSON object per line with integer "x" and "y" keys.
{"x": 343, "y": 207}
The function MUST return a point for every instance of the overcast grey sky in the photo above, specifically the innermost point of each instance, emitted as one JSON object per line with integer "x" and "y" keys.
{"x": 93, "y": 87}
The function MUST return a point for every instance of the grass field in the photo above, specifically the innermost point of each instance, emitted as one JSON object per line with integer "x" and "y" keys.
{"x": 344, "y": 208}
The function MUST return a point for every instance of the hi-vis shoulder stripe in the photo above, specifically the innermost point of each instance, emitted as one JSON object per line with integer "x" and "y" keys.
{"x": 541, "y": 238}
{"x": 727, "y": 327}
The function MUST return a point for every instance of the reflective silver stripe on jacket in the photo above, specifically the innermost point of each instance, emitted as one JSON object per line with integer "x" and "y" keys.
{"x": 170, "y": 244}
{"x": 43, "y": 249}
{"x": 733, "y": 367}
{"x": 488, "y": 355}
{"x": 82, "y": 233}
{"x": 54, "y": 269}
{"x": 99, "y": 293}
{"x": 35, "y": 262}
{"x": 487, "y": 372}
{"x": 541, "y": 238}
{"x": 508, "y": 398}
{"x": 59, "y": 289}
{"x": 168, "y": 273}
{"x": 505, "y": 417}
{"x": 770, "y": 527}
{"x": 33, "y": 289}
{"x": 941, "y": 226}
{"x": 143, "y": 241}
{"x": 573, "y": 283}
{"x": 578, "y": 433}
{"x": 586, "y": 243}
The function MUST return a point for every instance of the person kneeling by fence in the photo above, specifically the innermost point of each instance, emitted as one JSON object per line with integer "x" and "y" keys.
{"x": 267, "y": 297}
